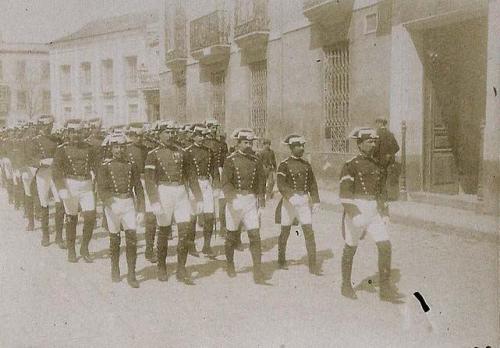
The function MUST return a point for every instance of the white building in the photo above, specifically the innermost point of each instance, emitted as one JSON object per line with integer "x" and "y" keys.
{"x": 24, "y": 81}
{"x": 108, "y": 69}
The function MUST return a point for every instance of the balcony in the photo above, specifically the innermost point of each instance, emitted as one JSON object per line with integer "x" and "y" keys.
{"x": 408, "y": 10}
{"x": 176, "y": 58}
{"x": 328, "y": 13}
{"x": 253, "y": 31}
{"x": 209, "y": 38}
{"x": 148, "y": 80}
{"x": 86, "y": 91}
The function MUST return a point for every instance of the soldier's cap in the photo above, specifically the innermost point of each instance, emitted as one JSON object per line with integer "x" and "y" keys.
{"x": 294, "y": 139}
{"x": 211, "y": 122}
{"x": 166, "y": 125}
{"x": 363, "y": 133}
{"x": 45, "y": 119}
{"x": 381, "y": 120}
{"x": 74, "y": 123}
{"x": 115, "y": 138}
{"x": 136, "y": 128}
{"x": 199, "y": 129}
{"x": 243, "y": 134}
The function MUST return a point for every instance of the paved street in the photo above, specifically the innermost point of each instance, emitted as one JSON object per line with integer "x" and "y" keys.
{"x": 47, "y": 302}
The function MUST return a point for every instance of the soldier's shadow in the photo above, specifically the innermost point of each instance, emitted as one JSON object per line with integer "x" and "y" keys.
{"x": 371, "y": 283}
{"x": 272, "y": 266}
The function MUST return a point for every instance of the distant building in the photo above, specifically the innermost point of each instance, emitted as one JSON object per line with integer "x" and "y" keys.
{"x": 323, "y": 67}
{"x": 108, "y": 69}
{"x": 24, "y": 81}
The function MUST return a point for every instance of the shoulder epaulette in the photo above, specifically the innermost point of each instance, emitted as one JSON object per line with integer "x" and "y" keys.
{"x": 285, "y": 160}
{"x": 153, "y": 150}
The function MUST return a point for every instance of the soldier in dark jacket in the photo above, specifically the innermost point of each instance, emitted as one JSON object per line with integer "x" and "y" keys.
{"x": 297, "y": 184}
{"x": 119, "y": 183}
{"x": 363, "y": 197}
{"x": 268, "y": 159}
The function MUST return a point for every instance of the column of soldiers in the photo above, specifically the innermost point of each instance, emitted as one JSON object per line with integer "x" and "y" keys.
{"x": 169, "y": 177}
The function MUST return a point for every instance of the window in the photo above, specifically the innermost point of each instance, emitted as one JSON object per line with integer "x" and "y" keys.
{"x": 85, "y": 78}
{"x": 336, "y": 96}
{"x": 22, "y": 100}
{"x": 371, "y": 23}
{"x": 218, "y": 96}
{"x": 107, "y": 76}
{"x": 21, "y": 70}
{"x": 45, "y": 71}
{"x": 133, "y": 111}
{"x": 65, "y": 80}
{"x": 131, "y": 67}
{"x": 258, "y": 97}
{"x": 46, "y": 102}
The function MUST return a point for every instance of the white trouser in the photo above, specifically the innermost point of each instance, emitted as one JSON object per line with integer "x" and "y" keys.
{"x": 27, "y": 177}
{"x": 80, "y": 192}
{"x": 147, "y": 202}
{"x": 45, "y": 184}
{"x": 121, "y": 211}
{"x": 369, "y": 220}
{"x": 175, "y": 203}
{"x": 300, "y": 209}
{"x": 7, "y": 167}
{"x": 242, "y": 209}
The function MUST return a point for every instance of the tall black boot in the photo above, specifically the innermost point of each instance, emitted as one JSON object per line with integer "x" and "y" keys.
{"x": 387, "y": 292}
{"x": 222, "y": 217}
{"x": 149, "y": 234}
{"x": 238, "y": 242}
{"x": 182, "y": 252}
{"x": 89, "y": 219}
{"x": 114, "y": 251}
{"x": 29, "y": 211}
{"x": 71, "y": 221}
{"x": 45, "y": 226}
{"x": 208, "y": 227}
{"x": 59, "y": 223}
{"x": 311, "y": 249}
{"x": 347, "y": 259}
{"x": 229, "y": 245}
{"x": 162, "y": 246}
{"x": 282, "y": 240}
{"x": 192, "y": 246}
{"x": 131, "y": 252}
{"x": 18, "y": 196}
{"x": 256, "y": 251}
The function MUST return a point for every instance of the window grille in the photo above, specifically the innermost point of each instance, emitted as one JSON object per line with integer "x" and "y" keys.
{"x": 258, "y": 97}
{"x": 336, "y": 96}
{"x": 218, "y": 97}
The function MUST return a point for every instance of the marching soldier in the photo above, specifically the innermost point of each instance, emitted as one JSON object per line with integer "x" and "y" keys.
{"x": 362, "y": 196}
{"x": 43, "y": 147}
{"x": 167, "y": 174}
{"x": 74, "y": 168}
{"x": 243, "y": 183}
{"x": 268, "y": 159}
{"x": 137, "y": 152}
{"x": 203, "y": 163}
{"x": 27, "y": 170}
{"x": 298, "y": 187}
{"x": 385, "y": 151}
{"x": 119, "y": 182}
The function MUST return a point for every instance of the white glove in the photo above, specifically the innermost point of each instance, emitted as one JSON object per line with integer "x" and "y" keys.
{"x": 156, "y": 208}
{"x": 199, "y": 207}
{"x": 64, "y": 194}
{"x": 315, "y": 208}
{"x": 140, "y": 219}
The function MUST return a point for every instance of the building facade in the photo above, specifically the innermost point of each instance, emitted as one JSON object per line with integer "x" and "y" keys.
{"x": 24, "y": 82}
{"x": 323, "y": 67}
{"x": 107, "y": 69}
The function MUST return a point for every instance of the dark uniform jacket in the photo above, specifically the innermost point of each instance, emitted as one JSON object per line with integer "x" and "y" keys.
{"x": 73, "y": 160}
{"x": 41, "y": 147}
{"x": 169, "y": 164}
{"x": 361, "y": 178}
{"x": 120, "y": 178}
{"x": 295, "y": 175}
{"x": 219, "y": 149}
{"x": 268, "y": 159}
{"x": 386, "y": 147}
{"x": 202, "y": 161}
{"x": 137, "y": 154}
{"x": 243, "y": 173}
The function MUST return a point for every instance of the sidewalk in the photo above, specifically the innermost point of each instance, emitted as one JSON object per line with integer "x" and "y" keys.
{"x": 428, "y": 216}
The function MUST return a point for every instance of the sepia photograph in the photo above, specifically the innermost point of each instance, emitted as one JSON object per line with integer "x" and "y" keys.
{"x": 249, "y": 173}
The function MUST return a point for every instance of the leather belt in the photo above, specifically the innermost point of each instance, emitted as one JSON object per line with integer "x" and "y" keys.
{"x": 170, "y": 183}
{"x": 78, "y": 177}
{"x": 122, "y": 195}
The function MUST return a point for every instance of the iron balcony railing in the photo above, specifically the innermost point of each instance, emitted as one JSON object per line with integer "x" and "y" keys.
{"x": 313, "y": 3}
{"x": 209, "y": 30}
{"x": 411, "y": 10}
{"x": 258, "y": 22}
{"x": 149, "y": 80}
